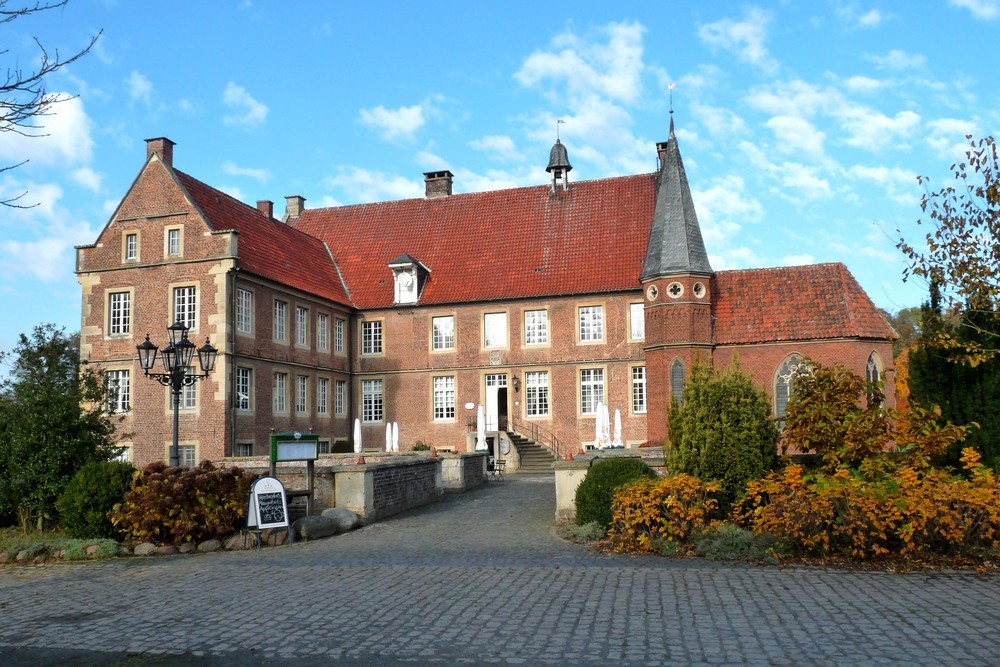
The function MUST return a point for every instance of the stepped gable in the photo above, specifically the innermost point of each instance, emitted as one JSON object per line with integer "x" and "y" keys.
{"x": 814, "y": 302}
{"x": 269, "y": 248}
{"x": 501, "y": 244}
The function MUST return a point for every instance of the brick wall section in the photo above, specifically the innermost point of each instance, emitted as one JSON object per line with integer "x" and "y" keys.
{"x": 472, "y": 470}
{"x": 398, "y": 488}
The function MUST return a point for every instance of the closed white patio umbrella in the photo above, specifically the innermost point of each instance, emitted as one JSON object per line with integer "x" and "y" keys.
{"x": 395, "y": 436}
{"x": 357, "y": 436}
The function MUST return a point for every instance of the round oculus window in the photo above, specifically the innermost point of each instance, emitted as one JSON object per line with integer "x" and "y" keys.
{"x": 699, "y": 290}
{"x": 675, "y": 290}
{"x": 652, "y": 292}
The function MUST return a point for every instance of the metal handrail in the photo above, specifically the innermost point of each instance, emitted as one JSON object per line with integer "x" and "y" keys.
{"x": 539, "y": 434}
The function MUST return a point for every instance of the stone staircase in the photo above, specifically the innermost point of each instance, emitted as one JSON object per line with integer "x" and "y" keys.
{"x": 535, "y": 459}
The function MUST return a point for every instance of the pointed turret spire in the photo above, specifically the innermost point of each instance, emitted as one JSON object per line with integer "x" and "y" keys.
{"x": 675, "y": 243}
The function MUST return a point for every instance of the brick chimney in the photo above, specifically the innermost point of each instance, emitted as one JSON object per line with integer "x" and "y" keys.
{"x": 294, "y": 205}
{"x": 266, "y": 207}
{"x": 438, "y": 183}
{"x": 661, "y": 153}
{"x": 162, "y": 147}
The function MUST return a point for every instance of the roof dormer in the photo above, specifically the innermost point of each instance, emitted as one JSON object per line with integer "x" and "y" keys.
{"x": 408, "y": 276}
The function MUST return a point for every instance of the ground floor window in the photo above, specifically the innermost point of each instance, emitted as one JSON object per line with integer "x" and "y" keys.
{"x": 536, "y": 394}
{"x": 638, "y": 389}
{"x": 244, "y": 449}
{"x": 186, "y": 454}
{"x": 591, "y": 389}
{"x": 371, "y": 400}
{"x": 444, "y": 397}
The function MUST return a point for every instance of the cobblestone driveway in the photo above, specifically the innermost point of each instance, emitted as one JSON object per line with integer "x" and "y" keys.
{"x": 481, "y": 579}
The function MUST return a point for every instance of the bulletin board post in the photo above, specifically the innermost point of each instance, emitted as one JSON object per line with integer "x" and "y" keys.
{"x": 296, "y": 447}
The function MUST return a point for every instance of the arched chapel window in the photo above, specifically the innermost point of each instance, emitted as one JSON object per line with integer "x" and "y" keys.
{"x": 873, "y": 375}
{"x": 783, "y": 383}
{"x": 677, "y": 380}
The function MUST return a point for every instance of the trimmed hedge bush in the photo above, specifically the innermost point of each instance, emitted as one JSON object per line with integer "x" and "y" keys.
{"x": 90, "y": 495}
{"x": 177, "y": 505}
{"x": 596, "y": 491}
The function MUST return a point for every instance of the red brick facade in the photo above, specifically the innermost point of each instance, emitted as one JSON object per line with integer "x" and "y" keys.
{"x": 569, "y": 258}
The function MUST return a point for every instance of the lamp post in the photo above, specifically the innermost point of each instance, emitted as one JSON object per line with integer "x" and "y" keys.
{"x": 176, "y": 362}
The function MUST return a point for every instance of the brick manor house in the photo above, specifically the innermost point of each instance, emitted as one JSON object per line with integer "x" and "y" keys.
{"x": 535, "y": 302}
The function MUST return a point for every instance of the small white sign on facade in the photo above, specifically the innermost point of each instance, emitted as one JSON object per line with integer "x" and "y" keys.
{"x": 268, "y": 507}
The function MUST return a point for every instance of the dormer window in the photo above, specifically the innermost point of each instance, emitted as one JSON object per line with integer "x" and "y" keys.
{"x": 408, "y": 279}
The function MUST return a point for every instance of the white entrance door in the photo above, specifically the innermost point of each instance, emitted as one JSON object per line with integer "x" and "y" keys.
{"x": 494, "y": 383}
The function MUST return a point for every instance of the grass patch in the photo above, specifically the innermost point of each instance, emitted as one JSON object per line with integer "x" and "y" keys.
{"x": 54, "y": 544}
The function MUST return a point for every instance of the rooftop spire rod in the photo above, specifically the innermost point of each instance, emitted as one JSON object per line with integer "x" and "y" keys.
{"x": 559, "y": 122}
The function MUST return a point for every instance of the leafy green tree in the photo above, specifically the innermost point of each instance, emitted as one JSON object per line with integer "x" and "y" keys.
{"x": 906, "y": 322}
{"x": 962, "y": 255}
{"x": 962, "y": 392}
{"x": 53, "y": 420}
{"x": 723, "y": 431}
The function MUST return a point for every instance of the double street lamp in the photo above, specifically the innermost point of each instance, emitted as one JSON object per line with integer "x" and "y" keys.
{"x": 178, "y": 373}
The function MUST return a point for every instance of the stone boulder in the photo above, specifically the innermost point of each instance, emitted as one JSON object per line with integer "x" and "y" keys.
{"x": 315, "y": 527}
{"x": 144, "y": 549}
{"x": 345, "y": 518}
{"x": 209, "y": 545}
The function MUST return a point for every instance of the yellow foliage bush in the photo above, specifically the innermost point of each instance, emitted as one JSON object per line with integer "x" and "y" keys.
{"x": 910, "y": 511}
{"x": 652, "y": 511}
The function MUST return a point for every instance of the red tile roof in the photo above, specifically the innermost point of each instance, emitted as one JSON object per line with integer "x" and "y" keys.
{"x": 267, "y": 247}
{"x": 818, "y": 301}
{"x": 501, "y": 244}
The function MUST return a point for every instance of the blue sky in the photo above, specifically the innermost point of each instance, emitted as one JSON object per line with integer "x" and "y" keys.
{"x": 803, "y": 124}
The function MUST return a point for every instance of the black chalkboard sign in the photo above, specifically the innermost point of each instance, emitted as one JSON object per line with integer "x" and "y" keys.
{"x": 268, "y": 507}
{"x": 271, "y": 508}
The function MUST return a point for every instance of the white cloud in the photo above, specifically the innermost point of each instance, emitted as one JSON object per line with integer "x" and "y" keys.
{"x": 722, "y": 209}
{"x": 140, "y": 88}
{"x": 259, "y": 175}
{"x": 872, "y": 130}
{"x": 88, "y": 178}
{"x": 498, "y": 146}
{"x": 898, "y": 60}
{"x": 395, "y": 124}
{"x": 248, "y": 112}
{"x": 863, "y": 84}
{"x": 64, "y": 137}
{"x": 362, "y": 185}
{"x": 798, "y": 260}
{"x": 870, "y": 19}
{"x": 797, "y": 135}
{"x": 612, "y": 69}
{"x": 745, "y": 38}
{"x": 986, "y": 10}
{"x": 718, "y": 120}
{"x": 899, "y": 185}
{"x": 793, "y": 98}
{"x": 947, "y": 137}
{"x": 233, "y": 191}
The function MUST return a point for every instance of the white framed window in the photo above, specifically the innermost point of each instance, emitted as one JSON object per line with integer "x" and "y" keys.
{"x": 186, "y": 306}
{"x": 244, "y": 449}
{"x": 189, "y": 393}
{"x": 301, "y": 326}
{"x": 301, "y": 394}
{"x": 371, "y": 400}
{"x": 322, "y": 396}
{"x": 281, "y": 392}
{"x": 873, "y": 377}
{"x": 495, "y": 330}
{"x": 186, "y": 455}
{"x": 444, "y": 397}
{"x": 338, "y": 335}
{"x": 124, "y": 453}
{"x": 638, "y": 389}
{"x": 536, "y": 394}
{"x": 131, "y": 246}
{"x": 371, "y": 337}
{"x": 119, "y": 313}
{"x": 443, "y": 332}
{"x": 118, "y": 383}
{"x": 591, "y": 324}
{"x": 323, "y": 332}
{"x": 174, "y": 246}
{"x": 591, "y": 389}
{"x": 637, "y": 321}
{"x": 536, "y": 327}
{"x": 280, "y": 321}
{"x": 340, "y": 398}
{"x": 244, "y": 388}
{"x": 244, "y": 311}
{"x": 323, "y": 446}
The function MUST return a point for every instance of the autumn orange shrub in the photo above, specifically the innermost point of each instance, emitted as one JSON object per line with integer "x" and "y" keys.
{"x": 911, "y": 512}
{"x": 651, "y": 511}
